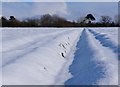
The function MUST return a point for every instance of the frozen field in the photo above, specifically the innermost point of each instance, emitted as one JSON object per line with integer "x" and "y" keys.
{"x": 75, "y": 56}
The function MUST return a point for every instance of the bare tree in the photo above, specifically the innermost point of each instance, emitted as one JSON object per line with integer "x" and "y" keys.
{"x": 54, "y": 20}
{"x": 46, "y": 20}
{"x": 57, "y": 20}
{"x": 3, "y": 21}
{"x": 106, "y": 19}
{"x": 81, "y": 20}
{"x": 32, "y": 22}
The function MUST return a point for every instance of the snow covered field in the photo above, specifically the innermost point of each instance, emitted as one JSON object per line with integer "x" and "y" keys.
{"x": 74, "y": 56}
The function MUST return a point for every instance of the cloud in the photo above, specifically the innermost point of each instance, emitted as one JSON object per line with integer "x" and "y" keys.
{"x": 29, "y": 9}
{"x": 59, "y": 8}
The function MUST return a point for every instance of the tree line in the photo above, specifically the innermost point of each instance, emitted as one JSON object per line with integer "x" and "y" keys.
{"x": 48, "y": 20}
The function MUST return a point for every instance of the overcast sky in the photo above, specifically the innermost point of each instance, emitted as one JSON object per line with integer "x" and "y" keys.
{"x": 69, "y": 10}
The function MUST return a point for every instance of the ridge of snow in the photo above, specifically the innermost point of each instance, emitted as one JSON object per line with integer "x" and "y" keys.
{"x": 109, "y": 62}
{"x": 39, "y": 63}
{"x": 93, "y": 64}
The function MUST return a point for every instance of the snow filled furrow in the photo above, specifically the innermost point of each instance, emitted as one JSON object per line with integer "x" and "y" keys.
{"x": 92, "y": 65}
{"x": 64, "y": 74}
{"x": 110, "y": 33}
{"x": 105, "y": 41}
{"x": 109, "y": 62}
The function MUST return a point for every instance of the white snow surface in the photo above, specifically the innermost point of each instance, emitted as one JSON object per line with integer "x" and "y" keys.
{"x": 57, "y": 56}
{"x": 112, "y": 33}
{"x": 106, "y": 59}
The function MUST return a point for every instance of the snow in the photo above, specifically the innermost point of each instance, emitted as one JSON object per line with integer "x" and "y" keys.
{"x": 93, "y": 64}
{"x": 59, "y": 56}
{"x": 35, "y": 56}
{"x": 112, "y": 33}
{"x": 108, "y": 60}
